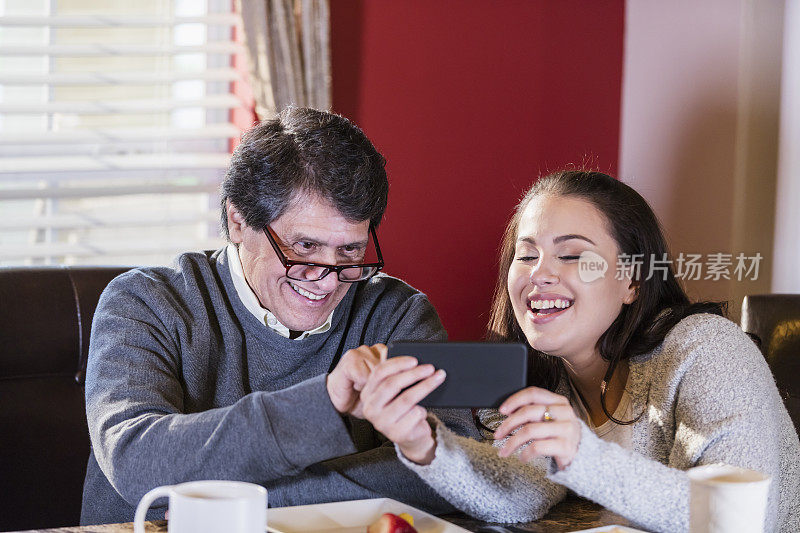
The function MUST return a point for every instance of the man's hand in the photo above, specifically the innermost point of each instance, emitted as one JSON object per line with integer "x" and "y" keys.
{"x": 346, "y": 381}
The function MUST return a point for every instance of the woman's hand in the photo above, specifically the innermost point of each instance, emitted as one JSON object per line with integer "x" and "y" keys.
{"x": 394, "y": 411}
{"x": 545, "y": 420}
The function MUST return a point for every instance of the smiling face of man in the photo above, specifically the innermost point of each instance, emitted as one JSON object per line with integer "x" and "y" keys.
{"x": 311, "y": 229}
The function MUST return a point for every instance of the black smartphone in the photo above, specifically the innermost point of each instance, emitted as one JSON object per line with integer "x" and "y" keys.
{"x": 479, "y": 374}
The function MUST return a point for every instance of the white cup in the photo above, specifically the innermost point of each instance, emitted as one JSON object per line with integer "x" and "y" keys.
{"x": 726, "y": 498}
{"x": 209, "y": 507}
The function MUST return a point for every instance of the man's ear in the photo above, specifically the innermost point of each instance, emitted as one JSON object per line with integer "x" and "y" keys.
{"x": 632, "y": 294}
{"x": 236, "y": 223}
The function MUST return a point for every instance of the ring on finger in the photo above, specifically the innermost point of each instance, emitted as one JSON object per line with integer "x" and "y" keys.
{"x": 546, "y": 416}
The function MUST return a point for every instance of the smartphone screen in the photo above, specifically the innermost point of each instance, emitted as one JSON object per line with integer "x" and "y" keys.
{"x": 479, "y": 374}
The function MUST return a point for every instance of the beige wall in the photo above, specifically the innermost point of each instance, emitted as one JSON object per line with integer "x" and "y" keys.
{"x": 786, "y": 271}
{"x": 701, "y": 93}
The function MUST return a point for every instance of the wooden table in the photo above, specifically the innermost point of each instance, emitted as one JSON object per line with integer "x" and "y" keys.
{"x": 570, "y": 515}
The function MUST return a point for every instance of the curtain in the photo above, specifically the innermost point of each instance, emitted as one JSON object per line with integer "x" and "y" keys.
{"x": 288, "y": 49}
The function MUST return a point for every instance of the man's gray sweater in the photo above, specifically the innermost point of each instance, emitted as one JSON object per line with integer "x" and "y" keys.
{"x": 184, "y": 383}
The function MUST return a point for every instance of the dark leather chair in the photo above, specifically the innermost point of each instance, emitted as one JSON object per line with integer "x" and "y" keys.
{"x": 45, "y": 320}
{"x": 773, "y": 321}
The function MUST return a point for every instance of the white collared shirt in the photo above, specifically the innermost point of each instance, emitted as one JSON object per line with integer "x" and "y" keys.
{"x": 250, "y": 300}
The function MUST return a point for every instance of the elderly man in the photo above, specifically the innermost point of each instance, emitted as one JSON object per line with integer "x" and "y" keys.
{"x": 246, "y": 363}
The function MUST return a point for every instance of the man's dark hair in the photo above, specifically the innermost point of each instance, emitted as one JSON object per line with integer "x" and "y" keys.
{"x": 305, "y": 151}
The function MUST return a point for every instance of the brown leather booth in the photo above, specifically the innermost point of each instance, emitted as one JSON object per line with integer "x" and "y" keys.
{"x": 45, "y": 320}
{"x": 773, "y": 320}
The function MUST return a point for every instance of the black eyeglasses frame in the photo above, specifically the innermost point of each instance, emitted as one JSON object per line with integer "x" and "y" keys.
{"x": 289, "y": 263}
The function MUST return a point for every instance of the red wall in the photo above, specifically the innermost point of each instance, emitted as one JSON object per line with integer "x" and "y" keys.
{"x": 470, "y": 101}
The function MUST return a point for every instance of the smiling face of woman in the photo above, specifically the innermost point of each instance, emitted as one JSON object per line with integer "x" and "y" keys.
{"x": 560, "y": 313}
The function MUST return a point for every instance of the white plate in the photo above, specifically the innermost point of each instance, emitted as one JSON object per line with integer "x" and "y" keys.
{"x": 604, "y": 529}
{"x": 350, "y": 517}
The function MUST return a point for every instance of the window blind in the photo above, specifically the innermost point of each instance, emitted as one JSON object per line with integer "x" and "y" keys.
{"x": 116, "y": 122}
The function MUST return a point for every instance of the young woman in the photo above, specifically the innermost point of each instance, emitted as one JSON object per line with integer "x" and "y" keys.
{"x": 632, "y": 383}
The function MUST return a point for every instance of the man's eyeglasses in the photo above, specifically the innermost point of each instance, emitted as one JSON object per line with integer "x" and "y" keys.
{"x": 307, "y": 271}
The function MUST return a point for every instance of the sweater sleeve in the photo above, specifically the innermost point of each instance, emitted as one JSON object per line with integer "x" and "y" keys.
{"x": 376, "y": 472}
{"x": 724, "y": 402}
{"x": 470, "y": 475}
{"x": 141, "y": 435}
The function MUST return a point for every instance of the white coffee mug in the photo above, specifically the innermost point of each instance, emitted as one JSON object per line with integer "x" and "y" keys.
{"x": 726, "y": 498}
{"x": 209, "y": 507}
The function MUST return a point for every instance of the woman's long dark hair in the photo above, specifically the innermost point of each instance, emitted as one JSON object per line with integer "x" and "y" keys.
{"x": 640, "y": 326}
